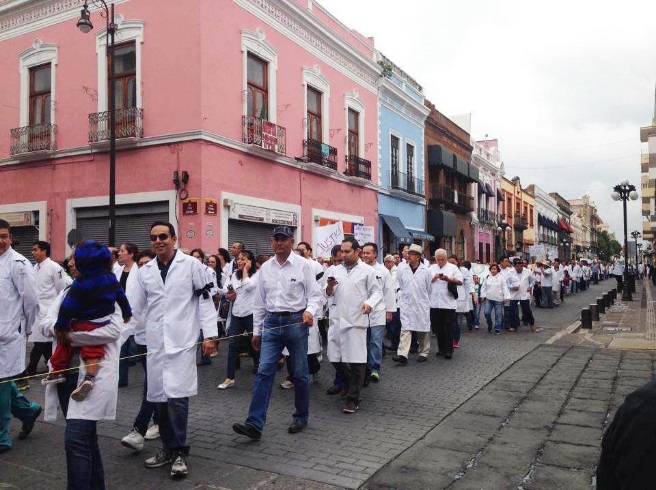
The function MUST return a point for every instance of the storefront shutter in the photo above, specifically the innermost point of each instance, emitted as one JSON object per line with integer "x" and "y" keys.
{"x": 23, "y": 238}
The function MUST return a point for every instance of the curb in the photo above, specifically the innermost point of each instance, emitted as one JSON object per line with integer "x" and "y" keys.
{"x": 574, "y": 327}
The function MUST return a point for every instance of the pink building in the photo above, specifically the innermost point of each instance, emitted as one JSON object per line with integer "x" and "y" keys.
{"x": 232, "y": 116}
{"x": 486, "y": 215}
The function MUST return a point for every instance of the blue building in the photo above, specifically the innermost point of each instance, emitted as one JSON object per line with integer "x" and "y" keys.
{"x": 401, "y": 198}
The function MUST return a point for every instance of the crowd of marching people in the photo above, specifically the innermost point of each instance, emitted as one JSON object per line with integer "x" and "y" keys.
{"x": 168, "y": 310}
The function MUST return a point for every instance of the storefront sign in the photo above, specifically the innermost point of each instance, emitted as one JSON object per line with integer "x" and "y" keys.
{"x": 190, "y": 207}
{"x": 263, "y": 215}
{"x": 269, "y": 136}
{"x": 211, "y": 206}
{"x": 18, "y": 219}
{"x": 363, "y": 234}
{"x": 327, "y": 237}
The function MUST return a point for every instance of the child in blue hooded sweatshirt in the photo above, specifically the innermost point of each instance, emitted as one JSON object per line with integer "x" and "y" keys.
{"x": 89, "y": 304}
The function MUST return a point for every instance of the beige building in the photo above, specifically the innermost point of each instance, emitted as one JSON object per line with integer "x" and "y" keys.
{"x": 586, "y": 210}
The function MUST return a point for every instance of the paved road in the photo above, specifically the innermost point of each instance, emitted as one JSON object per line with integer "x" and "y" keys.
{"x": 336, "y": 449}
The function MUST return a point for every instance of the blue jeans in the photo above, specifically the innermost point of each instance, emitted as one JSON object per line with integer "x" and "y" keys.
{"x": 148, "y": 410}
{"x": 199, "y": 348}
{"x": 239, "y": 325}
{"x": 476, "y": 312}
{"x": 294, "y": 336}
{"x": 83, "y": 462}
{"x": 173, "y": 415}
{"x": 124, "y": 364}
{"x": 394, "y": 329}
{"x": 13, "y": 403}
{"x": 497, "y": 306}
{"x": 375, "y": 336}
{"x": 547, "y": 297}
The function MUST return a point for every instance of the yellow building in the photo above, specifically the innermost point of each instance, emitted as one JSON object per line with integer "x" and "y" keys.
{"x": 518, "y": 210}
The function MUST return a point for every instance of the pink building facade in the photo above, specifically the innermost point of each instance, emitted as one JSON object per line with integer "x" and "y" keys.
{"x": 232, "y": 117}
{"x": 486, "y": 216}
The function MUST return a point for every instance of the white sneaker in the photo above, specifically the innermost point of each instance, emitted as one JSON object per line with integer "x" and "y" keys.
{"x": 287, "y": 385}
{"x": 152, "y": 432}
{"x": 226, "y": 384}
{"x": 133, "y": 440}
{"x": 179, "y": 466}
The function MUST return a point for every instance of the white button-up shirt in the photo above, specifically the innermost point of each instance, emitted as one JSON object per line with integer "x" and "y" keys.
{"x": 290, "y": 287}
{"x": 18, "y": 309}
{"x": 525, "y": 281}
{"x": 245, "y": 289}
{"x": 440, "y": 296}
{"x": 51, "y": 279}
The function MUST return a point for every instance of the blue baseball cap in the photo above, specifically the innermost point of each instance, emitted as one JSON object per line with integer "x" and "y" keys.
{"x": 283, "y": 230}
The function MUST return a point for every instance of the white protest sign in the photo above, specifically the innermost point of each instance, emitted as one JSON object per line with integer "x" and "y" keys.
{"x": 363, "y": 234}
{"x": 327, "y": 237}
{"x": 536, "y": 250}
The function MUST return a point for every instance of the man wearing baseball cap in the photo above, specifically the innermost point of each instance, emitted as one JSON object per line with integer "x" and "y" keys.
{"x": 286, "y": 300}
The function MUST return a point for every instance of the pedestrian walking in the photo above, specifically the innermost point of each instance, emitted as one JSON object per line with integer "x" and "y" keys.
{"x": 127, "y": 274}
{"x": 172, "y": 305}
{"x": 287, "y": 299}
{"x": 494, "y": 294}
{"x": 521, "y": 286}
{"x": 19, "y": 306}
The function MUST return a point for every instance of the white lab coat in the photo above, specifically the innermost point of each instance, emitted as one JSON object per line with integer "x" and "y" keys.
{"x": 18, "y": 309}
{"x": 354, "y": 288}
{"x": 172, "y": 315}
{"x": 465, "y": 290}
{"x": 51, "y": 279}
{"x": 414, "y": 299}
{"x": 100, "y": 403}
{"x": 388, "y": 304}
{"x": 130, "y": 327}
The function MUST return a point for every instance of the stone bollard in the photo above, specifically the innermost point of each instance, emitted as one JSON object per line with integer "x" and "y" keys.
{"x": 601, "y": 305}
{"x": 608, "y": 299}
{"x": 586, "y": 318}
{"x": 613, "y": 295}
{"x": 594, "y": 312}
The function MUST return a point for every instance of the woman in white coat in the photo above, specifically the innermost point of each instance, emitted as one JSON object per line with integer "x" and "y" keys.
{"x": 126, "y": 275}
{"x": 83, "y": 459}
{"x": 494, "y": 293}
{"x": 466, "y": 295}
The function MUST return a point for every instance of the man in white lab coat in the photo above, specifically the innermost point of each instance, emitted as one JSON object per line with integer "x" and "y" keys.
{"x": 172, "y": 306}
{"x": 51, "y": 279}
{"x": 18, "y": 308}
{"x": 382, "y": 313}
{"x": 415, "y": 283}
{"x": 357, "y": 292}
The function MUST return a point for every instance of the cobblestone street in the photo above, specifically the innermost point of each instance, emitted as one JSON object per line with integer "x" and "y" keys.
{"x": 419, "y": 427}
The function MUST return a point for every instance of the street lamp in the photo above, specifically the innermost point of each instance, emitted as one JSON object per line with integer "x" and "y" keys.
{"x": 501, "y": 228}
{"x": 85, "y": 25}
{"x": 565, "y": 245}
{"x": 636, "y": 234}
{"x": 623, "y": 192}
{"x": 640, "y": 253}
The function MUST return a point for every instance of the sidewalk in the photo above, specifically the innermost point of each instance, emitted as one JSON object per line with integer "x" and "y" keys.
{"x": 625, "y": 325}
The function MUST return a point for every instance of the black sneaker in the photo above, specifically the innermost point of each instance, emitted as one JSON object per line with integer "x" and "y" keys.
{"x": 351, "y": 407}
{"x": 247, "y": 430}
{"x": 29, "y": 425}
{"x": 164, "y": 457}
{"x": 400, "y": 359}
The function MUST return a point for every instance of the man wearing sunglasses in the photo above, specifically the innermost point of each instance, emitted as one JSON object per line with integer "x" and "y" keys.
{"x": 170, "y": 303}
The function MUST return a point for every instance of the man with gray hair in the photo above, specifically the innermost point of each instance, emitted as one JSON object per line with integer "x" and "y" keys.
{"x": 443, "y": 303}
{"x": 415, "y": 283}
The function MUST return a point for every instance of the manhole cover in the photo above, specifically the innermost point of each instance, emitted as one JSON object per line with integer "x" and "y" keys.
{"x": 617, "y": 329}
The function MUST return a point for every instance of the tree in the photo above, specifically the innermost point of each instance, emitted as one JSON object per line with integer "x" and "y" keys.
{"x": 607, "y": 246}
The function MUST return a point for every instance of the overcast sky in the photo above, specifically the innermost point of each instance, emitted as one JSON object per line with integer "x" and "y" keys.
{"x": 564, "y": 86}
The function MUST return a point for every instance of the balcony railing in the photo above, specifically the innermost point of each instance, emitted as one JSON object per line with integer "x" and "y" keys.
{"x": 265, "y": 134}
{"x": 487, "y": 216}
{"x": 407, "y": 183}
{"x": 520, "y": 221}
{"x": 320, "y": 153}
{"x": 40, "y": 137}
{"x": 465, "y": 201}
{"x": 440, "y": 192}
{"x": 128, "y": 124}
{"x": 358, "y": 167}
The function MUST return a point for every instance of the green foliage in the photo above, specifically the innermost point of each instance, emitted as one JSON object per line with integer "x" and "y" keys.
{"x": 607, "y": 246}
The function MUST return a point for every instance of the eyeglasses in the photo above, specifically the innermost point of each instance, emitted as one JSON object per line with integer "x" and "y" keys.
{"x": 161, "y": 236}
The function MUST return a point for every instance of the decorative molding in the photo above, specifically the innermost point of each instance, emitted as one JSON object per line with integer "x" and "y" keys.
{"x": 37, "y": 54}
{"x": 314, "y": 78}
{"x": 313, "y": 36}
{"x": 24, "y": 17}
{"x": 353, "y": 101}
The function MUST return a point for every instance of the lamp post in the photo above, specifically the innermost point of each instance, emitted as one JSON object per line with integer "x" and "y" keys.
{"x": 639, "y": 252}
{"x": 623, "y": 192}
{"x": 501, "y": 228}
{"x": 85, "y": 26}
{"x": 636, "y": 234}
{"x": 565, "y": 245}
